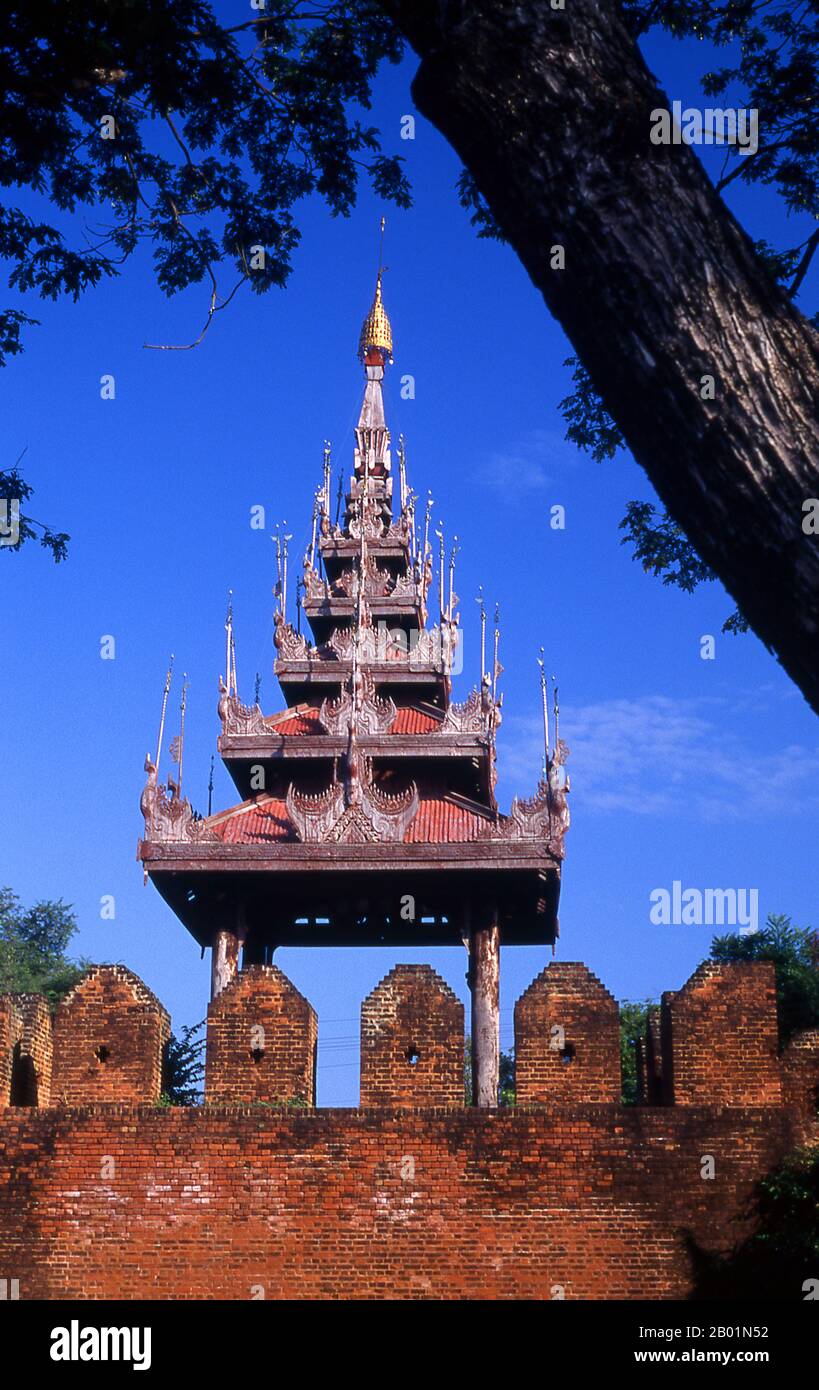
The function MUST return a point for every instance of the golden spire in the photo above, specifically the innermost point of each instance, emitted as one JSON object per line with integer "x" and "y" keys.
{"x": 376, "y": 331}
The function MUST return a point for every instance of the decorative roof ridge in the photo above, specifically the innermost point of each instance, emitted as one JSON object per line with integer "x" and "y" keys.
{"x": 425, "y": 707}
{"x": 251, "y": 803}
{"x": 468, "y": 804}
{"x": 303, "y": 710}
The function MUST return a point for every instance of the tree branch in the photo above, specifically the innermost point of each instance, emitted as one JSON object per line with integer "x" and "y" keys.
{"x": 661, "y": 291}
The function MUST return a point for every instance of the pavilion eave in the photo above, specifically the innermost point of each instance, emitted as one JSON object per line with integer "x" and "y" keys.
{"x": 349, "y": 907}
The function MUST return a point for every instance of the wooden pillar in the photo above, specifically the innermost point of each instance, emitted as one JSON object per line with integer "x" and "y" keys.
{"x": 224, "y": 960}
{"x": 484, "y": 983}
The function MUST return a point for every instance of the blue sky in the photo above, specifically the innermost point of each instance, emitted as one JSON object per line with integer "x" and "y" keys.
{"x": 702, "y": 771}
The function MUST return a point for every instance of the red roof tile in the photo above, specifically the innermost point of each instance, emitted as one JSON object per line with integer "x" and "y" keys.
{"x": 301, "y": 720}
{"x": 439, "y": 820}
{"x": 254, "y": 823}
{"x": 304, "y": 719}
{"x": 410, "y": 720}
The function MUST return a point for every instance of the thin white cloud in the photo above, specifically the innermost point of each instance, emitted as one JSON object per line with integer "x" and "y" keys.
{"x": 524, "y": 467}
{"x": 659, "y": 756}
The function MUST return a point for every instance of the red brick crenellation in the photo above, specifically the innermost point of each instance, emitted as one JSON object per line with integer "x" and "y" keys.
{"x": 567, "y": 1039}
{"x": 412, "y": 1041}
{"x": 261, "y": 1041}
{"x": 567, "y": 1194}
{"x": 110, "y": 1033}
{"x": 720, "y": 1039}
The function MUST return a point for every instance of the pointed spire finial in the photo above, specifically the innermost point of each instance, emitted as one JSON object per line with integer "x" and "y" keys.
{"x": 177, "y": 748}
{"x": 376, "y": 331}
{"x": 497, "y": 669}
{"x": 480, "y": 600}
{"x": 164, "y": 711}
{"x": 544, "y": 694}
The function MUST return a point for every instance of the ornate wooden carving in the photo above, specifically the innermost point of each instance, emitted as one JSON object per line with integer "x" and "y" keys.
{"x": 373, "y": 646}
{"x": 372, "y": 522}
{"x": 428, "y": 650}
{"x": 169, "y": 819}
{"x": 315, "y": 813}
{"x": 238, "y": 719}
{"x": 470, "y": 717}
{"x": 341, "y": 641}
{"x": 391, "y": 813}
{"x": 315, "y": 587}
{"x": 354, "y": 809}
{"x": 353, "y": 827}
{"x": 345, "y": 585}
{"x": 405, "y": 586}
{"x": 426, "y": 647}
{"x": 378, "y": 583}
{"x": 359, "y": 709}
{"x": 544, "y": 816}
{"x": 289, "y": 644}
{"x": 373, "y": 715}
{"x": 335, "y": 716}
{"x": 398, "y": 530}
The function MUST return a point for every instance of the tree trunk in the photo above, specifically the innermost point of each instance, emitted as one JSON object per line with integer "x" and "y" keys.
{"x": 550, "y": 112}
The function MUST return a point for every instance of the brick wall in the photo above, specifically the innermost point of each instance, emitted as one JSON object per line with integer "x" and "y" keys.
{"x": 412, "y": 1041}
{"x": 650, "y": 1061}
{"x": 567, "y": 1039}
{"x": 25, "y": 1050}
{"x": 800, "y": 1078}
{"x": 414, "y": 1195}
{"x": 109, "y": 1036}
{"x": 261, "y": 1041}
{"x": 10, "y": 1028}
{"x": 36, "y": 1046}
{"x": 111, "y": 1202}
{"x": 719, "y": 1037}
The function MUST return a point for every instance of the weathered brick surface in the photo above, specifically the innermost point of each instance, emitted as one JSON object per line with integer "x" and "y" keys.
{"x": 209, "y": 1202}
{"x": 36, "y": 1046}
{"x": 109, "y": 1036}
{"x": 579, "y": 1197}
{"x": 800, "y": 1076}
{"x": 25, "y": 1050}
{"x": 720, "y": 1042}
{"x": 10, "y": 1029}
{"x": 412, "y": 1041}
{"x": 261, "y": 1041}
{"x": 654, "y": 1057}
{"x": 567, "y": 1039}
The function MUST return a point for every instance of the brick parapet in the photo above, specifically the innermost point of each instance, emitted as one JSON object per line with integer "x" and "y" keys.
{"x": 209, "y": 1203}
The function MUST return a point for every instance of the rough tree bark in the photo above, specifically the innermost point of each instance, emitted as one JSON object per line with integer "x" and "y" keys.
{"x": 550, "y": 112}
